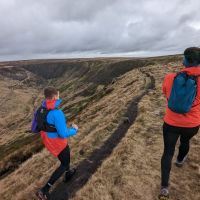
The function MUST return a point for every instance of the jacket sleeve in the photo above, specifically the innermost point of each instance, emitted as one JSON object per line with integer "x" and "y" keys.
{"x": 61, "y": 126}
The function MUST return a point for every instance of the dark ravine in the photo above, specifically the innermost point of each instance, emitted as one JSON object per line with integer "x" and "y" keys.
{"x": 89, "y": 166}
{"x": 40, "y": 74}
{"x": 37, "y": 74}
{"x": 97, "y": 72}
{"x": 30, "y": 74}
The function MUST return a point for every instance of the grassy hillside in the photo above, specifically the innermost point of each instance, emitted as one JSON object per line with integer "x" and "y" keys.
{"x": 115, "y": 159}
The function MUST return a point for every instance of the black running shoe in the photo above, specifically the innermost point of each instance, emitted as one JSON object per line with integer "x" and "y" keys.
{"x": 41, "y": 195}
{"x": 180, "y": 163}
{"x": 69, "y": 174}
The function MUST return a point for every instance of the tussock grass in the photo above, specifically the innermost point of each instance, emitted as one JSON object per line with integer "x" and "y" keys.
{"x": 93, "y": 131}
{"x": 13, "y": 157}
{"x": 133, "y": 168}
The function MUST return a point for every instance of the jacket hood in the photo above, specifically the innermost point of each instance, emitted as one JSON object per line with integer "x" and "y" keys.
{"x": 51, "y": 104}
{"x": 193, "y": 71}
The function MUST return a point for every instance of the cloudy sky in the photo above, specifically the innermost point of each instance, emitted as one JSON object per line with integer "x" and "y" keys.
{"x": 84, "y": 28}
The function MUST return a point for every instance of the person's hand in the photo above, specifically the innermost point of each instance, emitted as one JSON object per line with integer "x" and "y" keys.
{"x": 75, "y": 126}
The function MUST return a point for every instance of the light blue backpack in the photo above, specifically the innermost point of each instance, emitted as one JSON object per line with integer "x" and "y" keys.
{"x": 183, "y": 93}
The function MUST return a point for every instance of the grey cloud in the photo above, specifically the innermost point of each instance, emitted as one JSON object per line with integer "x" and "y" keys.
{"x": 32, "y": 28}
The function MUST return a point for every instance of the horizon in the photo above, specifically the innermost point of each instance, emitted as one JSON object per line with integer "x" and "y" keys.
{"x": 106, "y": 56}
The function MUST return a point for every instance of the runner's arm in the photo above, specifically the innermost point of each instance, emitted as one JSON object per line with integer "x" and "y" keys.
{"x": 62, "y": 129}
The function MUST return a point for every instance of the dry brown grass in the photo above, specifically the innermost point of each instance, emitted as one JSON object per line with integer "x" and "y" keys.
{"x": 132, "y": 171}
{"x": 17, "y": 101}
{"x": 97, "y": 122}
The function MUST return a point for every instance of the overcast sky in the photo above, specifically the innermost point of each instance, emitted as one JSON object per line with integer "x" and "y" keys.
{"x": 84, "y": 28}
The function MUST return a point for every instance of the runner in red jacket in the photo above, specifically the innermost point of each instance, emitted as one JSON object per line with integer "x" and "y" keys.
{"x": 190, "y": 119}
{"x": 178, "y": 125}
{"x": 56, "y": 141}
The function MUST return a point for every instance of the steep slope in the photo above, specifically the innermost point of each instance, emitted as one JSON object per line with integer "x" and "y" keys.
{"x": 80, "y": 82}
{"x": 116, "y": 159}
{"x": 106, "y": 112}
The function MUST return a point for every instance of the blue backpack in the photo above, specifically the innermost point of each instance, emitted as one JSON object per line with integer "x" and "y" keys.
{"x": 183, "y": 93}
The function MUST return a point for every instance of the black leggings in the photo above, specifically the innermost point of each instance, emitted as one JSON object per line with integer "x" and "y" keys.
{"x": 170, "y": 136}
{"x": 64, "y": 158}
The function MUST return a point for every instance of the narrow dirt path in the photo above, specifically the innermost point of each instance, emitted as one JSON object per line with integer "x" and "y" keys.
{"x": 89, "y": 166}
{"x": 132, "y": 171}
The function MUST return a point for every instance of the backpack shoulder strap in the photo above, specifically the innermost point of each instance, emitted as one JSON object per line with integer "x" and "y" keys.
{"x": 43, "y": 125}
